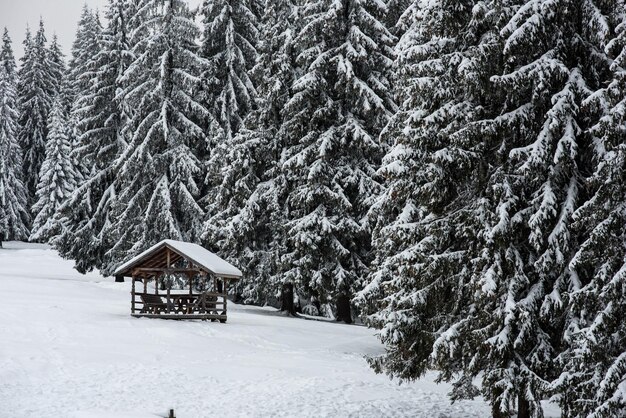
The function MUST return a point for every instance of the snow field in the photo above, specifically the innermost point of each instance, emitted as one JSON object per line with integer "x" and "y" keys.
{"x": 70, "y": 349}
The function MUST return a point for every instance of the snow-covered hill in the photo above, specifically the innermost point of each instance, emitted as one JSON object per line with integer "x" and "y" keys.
{"x": 70, "y": 349}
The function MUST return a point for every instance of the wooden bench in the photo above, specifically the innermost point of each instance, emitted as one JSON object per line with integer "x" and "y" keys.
{"x": 152, "y": 303}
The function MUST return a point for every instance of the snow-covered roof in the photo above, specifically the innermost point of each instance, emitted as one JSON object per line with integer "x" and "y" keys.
{"x": 195, "y": 253}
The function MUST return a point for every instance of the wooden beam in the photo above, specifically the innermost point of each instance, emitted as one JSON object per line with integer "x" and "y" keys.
{"x": 132, "y": 293}
{"x": 221, "y": 318}
{"x": 225, "y": 290}
{"x": 169, "y": 300}
{"x": 167, "y": 270}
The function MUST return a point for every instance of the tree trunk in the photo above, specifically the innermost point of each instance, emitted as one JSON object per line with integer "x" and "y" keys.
{"x": 0, "y": 242}
{"x": 343, "y": 309}
{"x": 287, "y": 299}
{"x": 119, "y": 279}
{"x": 523, "y": 407}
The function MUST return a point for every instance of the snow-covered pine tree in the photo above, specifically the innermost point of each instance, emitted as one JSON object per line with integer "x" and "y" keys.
{"x": 81, "y": 74}
{"x": 339, "y": 105}
{"x": 56, "y": 60}
{"x": 14, "y": 215}
{"x": 57, "y": 178}
{"x": 86, "y": 213}
{"x": 85, "y": 47}
{"x": 524, "y": 272}
{"x": 158, "y": 175}
{"x": 228, "y": 44}
{"x": 35, "y": 93}
{"x": 594, "y": 375}
{"x": 428, "y": 219}
{"x": 245, "y": 208}
{"x": 494, "y": 301}
{"x": 97, "y": 108}
{"x": 512, "y": 333}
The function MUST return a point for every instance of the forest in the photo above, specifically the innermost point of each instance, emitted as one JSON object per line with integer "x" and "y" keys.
{"x": 452, "y": 170}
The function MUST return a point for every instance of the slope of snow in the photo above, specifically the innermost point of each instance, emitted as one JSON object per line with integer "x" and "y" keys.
{"x": 69, "y": 348}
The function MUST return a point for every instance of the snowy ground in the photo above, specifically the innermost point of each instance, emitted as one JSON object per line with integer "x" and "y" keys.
{"x": 68, "y": 348}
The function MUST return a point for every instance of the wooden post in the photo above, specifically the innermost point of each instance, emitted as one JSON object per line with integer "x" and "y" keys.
{"x": 132, "y": 292}
{"x": 190, "y": 276}
{"x": 169, "y": 288}
{"x": 145, "y": 284}
{"x": 171, "y": 415}
{"x": 225, "y": 296}
{"x": 156, "y": 283}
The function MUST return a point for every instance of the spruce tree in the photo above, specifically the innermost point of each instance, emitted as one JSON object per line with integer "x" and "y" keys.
{"x": 333, "y": 119}
{"x": 35, "y": 92}
{"x": 477, "y": 228}
{"x": 14, "y": 216}
{"x": 57, "y": 179}
{"x": 56, "y": 60}
{"x": 245, "y": 210}
{"x": 97, "y": 108}
{"x": 81, "y": 75}
{"x": 594, "y": 361}
{"x": 426, "y": 219}
{"x": 158, "y": 175}
{"x": 101, "y": 142}
{"x": 228, "y": 44}
{"x": 85, "y": 47}
{"x": 524, "y": 274}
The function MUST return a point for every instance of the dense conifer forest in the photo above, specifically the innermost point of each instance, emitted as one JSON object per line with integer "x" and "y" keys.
{"x": 455, "y": 171}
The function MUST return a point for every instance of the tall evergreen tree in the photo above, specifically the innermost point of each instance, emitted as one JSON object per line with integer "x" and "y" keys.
{"x": 14, "y": 216}
{"x": 159, "y": 169}
{"x": 81, "y": 77}
{"x": 56, "y": 60}
{"x": 480, "y": 287}
{"x": 338, "y": 108}
{"x": 594, "y": 363}
{"x": 102, "y": 141}
{"x": 245, "y": 211}
{"x": 228, "y": 44}
{"x": 35, "y": 92}
{"x": 85, "y": 47}
{"x": 425, "y": 220}
{"x": 57, "y": 178}
{"x": 523, "y": 274}
{"x": 97, "y": 108}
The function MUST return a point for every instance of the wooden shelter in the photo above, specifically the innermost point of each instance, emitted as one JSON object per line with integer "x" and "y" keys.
{"x": 190, "y": 282}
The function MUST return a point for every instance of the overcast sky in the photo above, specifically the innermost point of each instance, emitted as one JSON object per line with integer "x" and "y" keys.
{"x": 60, "y": 17}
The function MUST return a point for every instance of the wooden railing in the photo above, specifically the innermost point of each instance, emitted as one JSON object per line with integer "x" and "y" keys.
{"x": 207, "y": 305}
